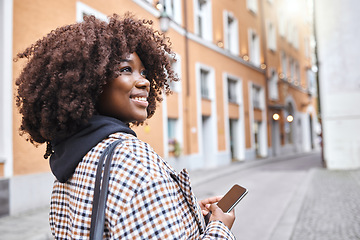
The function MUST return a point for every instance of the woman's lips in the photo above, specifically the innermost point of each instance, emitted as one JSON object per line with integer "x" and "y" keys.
{"x": 142, "y": 101}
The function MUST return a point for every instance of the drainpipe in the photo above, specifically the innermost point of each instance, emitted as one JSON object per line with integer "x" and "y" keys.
{"x": 187, "y": 76}
{"x": 263, "y": 44}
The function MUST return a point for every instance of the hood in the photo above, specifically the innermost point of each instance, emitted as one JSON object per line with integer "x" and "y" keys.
{"x": 69, "y": 152}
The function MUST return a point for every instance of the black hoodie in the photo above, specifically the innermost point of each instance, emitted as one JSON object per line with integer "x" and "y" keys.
{"x": 69, "y": 152}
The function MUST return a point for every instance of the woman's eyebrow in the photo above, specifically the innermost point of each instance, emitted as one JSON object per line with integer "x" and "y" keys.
{"x": 126, "y": 60}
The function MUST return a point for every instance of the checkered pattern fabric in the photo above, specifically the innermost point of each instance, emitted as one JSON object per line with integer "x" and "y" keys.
{"x": 147, "y": 199}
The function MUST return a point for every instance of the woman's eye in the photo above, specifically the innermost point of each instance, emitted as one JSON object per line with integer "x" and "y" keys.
{"x": 125, "y": 70}
{"x": 144, "y": 73}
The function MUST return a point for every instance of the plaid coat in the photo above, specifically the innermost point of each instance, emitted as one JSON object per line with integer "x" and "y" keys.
{"x": 147, "y": 199}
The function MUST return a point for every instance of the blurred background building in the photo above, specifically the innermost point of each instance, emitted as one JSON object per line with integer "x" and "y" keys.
{"x": 248, "y": 84}
{"x": 338, "y": 53}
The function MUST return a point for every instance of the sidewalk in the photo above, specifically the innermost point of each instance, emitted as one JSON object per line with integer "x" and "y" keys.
{"x": 326, "y": 206}
{"x": 200, "y": 176}
{"x": 31, "y": 225}
{"x": 331, "y": 208}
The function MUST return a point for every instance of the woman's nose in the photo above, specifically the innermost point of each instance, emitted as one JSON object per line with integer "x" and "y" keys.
{"x": 142, "y": 82}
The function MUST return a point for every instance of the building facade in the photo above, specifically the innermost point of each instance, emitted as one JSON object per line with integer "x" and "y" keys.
{"x": 339, "y": 81}
{"x": 247, "y": 88}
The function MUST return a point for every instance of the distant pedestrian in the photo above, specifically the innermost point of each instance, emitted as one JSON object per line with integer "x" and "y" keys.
{"x": 83, "y": 87}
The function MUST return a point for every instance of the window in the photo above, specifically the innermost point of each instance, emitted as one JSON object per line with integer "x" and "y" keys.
{"x": 203, "y": 25}
{"x": 295, "y": 38}
{"x": 256, "y": 96}
{"x": 252, "y": 5}
{"x": 173, "y": 9}
{"x": 232, "y": 90}
{"x": 293, "y": 35}
{"x": 254, "y": 47}
{"x": 273, "y": 88}
{"x": 231, "y": 33}
{"x": 271, "y": 36}
{"x": 292, "y": 68}
{"x": 84, "y": 10}
{"x": 204, "y": 81}
{"x": 282, "y": 24}
{"x": 289, "y": 32}
{"x": 176, "y": 66}
{"x": 311, "y": 80}
{"x": 171, "y": 128}
{"x": 174, "y": 141}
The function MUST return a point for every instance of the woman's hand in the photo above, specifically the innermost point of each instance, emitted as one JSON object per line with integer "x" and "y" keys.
{"x": 208, "y": 201}
{"x": 208, "y": 205}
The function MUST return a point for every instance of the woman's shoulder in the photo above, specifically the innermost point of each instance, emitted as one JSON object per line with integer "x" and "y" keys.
{"x": 138, "y": 155}
{"x": 134, "y": 145}
{"x": 135, "y": 166}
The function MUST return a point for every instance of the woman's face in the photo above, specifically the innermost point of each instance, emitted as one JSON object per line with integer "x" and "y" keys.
{"x": 125, "y": 97}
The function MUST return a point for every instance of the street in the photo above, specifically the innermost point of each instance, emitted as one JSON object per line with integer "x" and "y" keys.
{"x": 272, "y": 188}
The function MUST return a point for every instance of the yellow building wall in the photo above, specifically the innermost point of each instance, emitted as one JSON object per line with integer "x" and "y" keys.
{"x": 35, "y": 18}
{"x": 173, "y": 105}
{"x": 233, "y": 111}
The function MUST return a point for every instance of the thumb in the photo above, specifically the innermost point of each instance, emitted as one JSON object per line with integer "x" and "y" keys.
{"x": 214, "y": 208}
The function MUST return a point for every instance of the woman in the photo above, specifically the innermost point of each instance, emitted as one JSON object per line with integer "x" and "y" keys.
{"x": 83, "y": 86}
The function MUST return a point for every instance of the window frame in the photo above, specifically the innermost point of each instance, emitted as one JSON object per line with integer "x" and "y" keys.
{"x": 232, "y": 90}
{"x": 273, "y": 85}
{"x": 271, "y": 38}
{"x": 210, "y": 81}
{"x": 206, "y": 15}
{"x": 254, "y": 47}
{"x": 252, "y": 6}
{"x": 257, "y": 96}
{"x": 176, "y": 66}
{"x": 231, "y": 33}
{"x": 204, "y": 83}
{"x": 292, "y": 69}
{"x": 175, "y": 12}
{"x": 282, "y": 24}
{"x": 83, "y": 9}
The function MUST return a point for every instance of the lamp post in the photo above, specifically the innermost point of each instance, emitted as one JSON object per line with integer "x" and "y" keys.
{"x": 164, "y": 21}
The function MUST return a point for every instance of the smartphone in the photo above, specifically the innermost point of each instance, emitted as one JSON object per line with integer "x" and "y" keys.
{"x": 230, "y": 200}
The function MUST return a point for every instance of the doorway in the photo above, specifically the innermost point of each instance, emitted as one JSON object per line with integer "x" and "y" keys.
{"x": 275, "y": 137}
{"x": 235, "y": 145}
{"x": 208, "y": 146}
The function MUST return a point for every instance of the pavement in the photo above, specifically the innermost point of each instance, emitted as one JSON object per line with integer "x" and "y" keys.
{"x": 307, "y": 201}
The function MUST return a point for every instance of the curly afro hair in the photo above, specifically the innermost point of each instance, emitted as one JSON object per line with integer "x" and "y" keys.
{"x": 59, "y": 87}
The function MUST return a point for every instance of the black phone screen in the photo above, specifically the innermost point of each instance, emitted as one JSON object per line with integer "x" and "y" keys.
{"x": 230, "y": 200}
{"x": 232, "y": 197}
